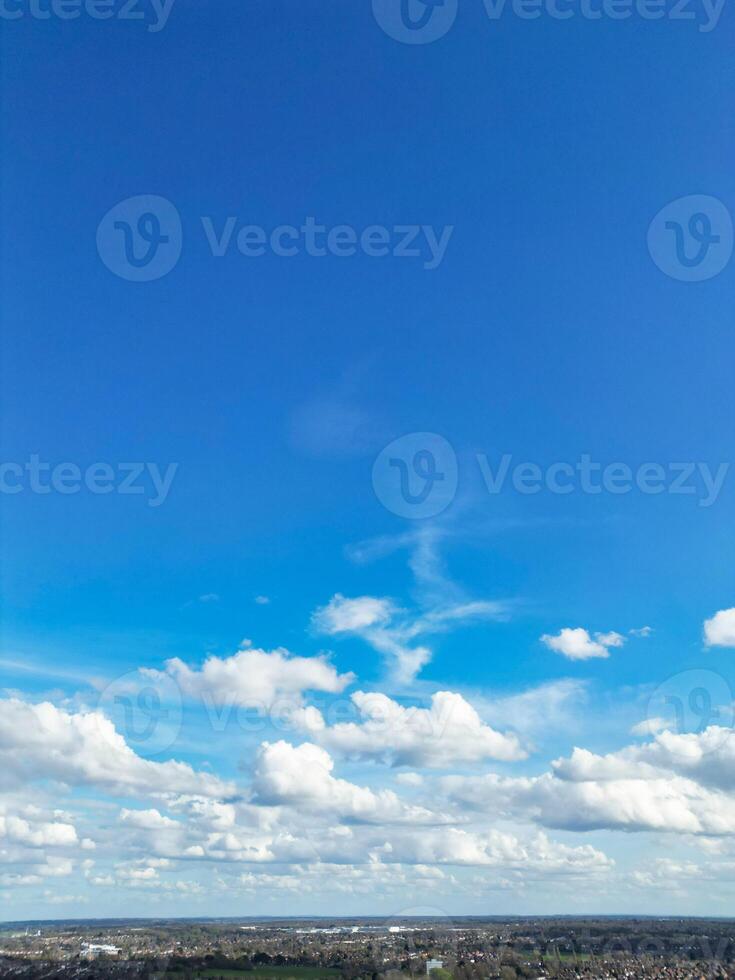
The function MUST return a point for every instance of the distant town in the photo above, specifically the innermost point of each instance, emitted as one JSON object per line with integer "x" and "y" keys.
{"x": 464, "y": 948}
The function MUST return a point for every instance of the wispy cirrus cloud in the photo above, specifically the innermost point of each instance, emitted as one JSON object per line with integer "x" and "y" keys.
{"x": 395, "y": 631}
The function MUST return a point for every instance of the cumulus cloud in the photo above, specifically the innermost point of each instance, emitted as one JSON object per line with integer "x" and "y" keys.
{"x": 256, "y": 678}
{"x": 720, "y": 630}
{"x": 577, "y": 644}
{"x": 707, "y": 757}
{"x": 50, "y": 867}
{"x": 36, "y": 833}
{"x": 410, "y": 779}
{"x": 663, "y": 804}
{"x": 675, "y": 783}
{"x": 302, "y": 776}
{"x": 318, "y": 877}
{"x": 342, "y": 615}
{"x": 448, "y": 733}
{"x": 41, "y": 741}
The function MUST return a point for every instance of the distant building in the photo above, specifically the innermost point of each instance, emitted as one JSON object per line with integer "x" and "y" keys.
{"x": 91, "y": 950}
{"x": 434, "y": 965}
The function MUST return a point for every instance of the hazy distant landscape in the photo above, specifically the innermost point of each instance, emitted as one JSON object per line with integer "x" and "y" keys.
{"x": 464, "y": 948}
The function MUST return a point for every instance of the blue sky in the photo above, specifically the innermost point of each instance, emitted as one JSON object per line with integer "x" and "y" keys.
{"x": 268, "y": 387}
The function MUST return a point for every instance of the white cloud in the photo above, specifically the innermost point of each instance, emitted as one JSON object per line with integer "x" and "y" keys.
{"x": 411, "y": 779}
{"x": 665, "y": 804}
{"x": 644, "y": 631}
{"x": 137, "y": 874}
{"x": 707, "y": 757}
{"x": 675, "y": 783}
{"x": 342, "y": 615}
{"x": 551, "y": 707}
{"x": 19, "y": 830}
{"x": 720, "y": 630}
{"x": 611, "y": 639}
{"x": 41, "y": 741}
{"x": 448, "y": 733}
{"x": 372, "y": 619}
{"x": 302, "y": 776}
{"x": 650, "y": 726}
{"x": 493, "y": 848}
{"x": 393, "y": 631}
{"x": 256, "y": 678}
{"x": 577, "y": 644}
{"x": 148, "y": 819}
